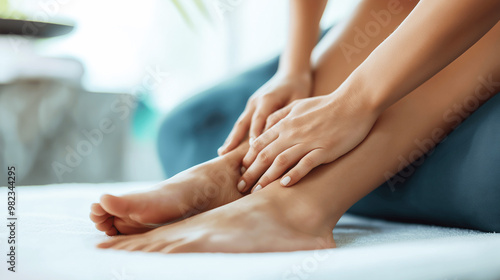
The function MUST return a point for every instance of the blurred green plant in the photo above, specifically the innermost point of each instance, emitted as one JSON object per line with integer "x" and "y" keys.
{"x": 200, "y": 6}
{"x": 9, "y": 12}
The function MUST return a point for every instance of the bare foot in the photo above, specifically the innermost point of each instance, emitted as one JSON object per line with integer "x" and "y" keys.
{"x": 256, "y": 223}
{"x": 193, "y": 191}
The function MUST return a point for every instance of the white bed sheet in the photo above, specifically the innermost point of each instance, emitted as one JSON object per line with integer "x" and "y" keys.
{"x": 56, "y": 240}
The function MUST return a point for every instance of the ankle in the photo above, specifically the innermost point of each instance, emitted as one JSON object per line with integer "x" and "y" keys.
{"x": 300, "y": 213}
{"x": 225, "y": 171}
{"x": 220, "y": 177}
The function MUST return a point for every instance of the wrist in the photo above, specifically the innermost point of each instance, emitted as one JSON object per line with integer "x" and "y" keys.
{"x": 294, "y": 68}
{"x": 361, "y": 94}
{"x": 295, "y": 74}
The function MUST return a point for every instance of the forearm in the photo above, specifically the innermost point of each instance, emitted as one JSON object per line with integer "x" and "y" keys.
{"x": 350, "y": 42}
{"x": 434, "y": 34}
{"x": 304, "y": 30}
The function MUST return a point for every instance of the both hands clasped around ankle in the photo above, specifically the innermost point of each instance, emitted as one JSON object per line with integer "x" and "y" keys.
{"x": 304, "y": 135}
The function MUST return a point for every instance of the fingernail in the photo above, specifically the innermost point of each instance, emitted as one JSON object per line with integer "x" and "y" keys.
{"x": 220, "y": 150}
{"x": 285, "y": 180}
{"x": 241, "y": 185}
{"x": 257, "y": 188}
{"x": 251, "y": 140}
{"x": 243, "y": 169}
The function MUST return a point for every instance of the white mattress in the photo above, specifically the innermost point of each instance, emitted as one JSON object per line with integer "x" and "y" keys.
{"x": 56, "y": 240}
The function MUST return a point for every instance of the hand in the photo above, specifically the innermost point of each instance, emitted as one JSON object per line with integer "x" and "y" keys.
{"x": 274, "y": 95}
{"x": 303, "y": 135}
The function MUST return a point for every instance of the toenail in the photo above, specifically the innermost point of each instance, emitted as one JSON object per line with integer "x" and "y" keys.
{"x": 243, "y": 169}
{"x": 241, "y": 185}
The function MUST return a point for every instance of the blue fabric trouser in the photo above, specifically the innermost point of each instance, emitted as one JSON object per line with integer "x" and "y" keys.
{"x": 457, "y": 185}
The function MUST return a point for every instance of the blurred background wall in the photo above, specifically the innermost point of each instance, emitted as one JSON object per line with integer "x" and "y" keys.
{"x": 85, "y": 107}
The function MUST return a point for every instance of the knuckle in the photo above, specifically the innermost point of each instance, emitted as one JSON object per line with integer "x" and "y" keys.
{"x": 271, "y": 118}
{"x": 294, "y": 120}
{"x": 247, "y": 160}
{"x": 264, "y": 180}
{"x": 252, "y": 99}
{"x": 292, "y": 132}
{"x": 282, "y": 160}
{"x": 264, "y": 158}
{"x": 240, "y": 122}
{"x": 248, "y": 178}
{"x": 257, "y": 145}
{"x": 251, "y": 177}
{"x": 259, "y": 116}
{"x": 266, "y": 97}
{"x": 309, "y": 162}
{"x": 282, "y": 125}
{"x": 287, "y": 123}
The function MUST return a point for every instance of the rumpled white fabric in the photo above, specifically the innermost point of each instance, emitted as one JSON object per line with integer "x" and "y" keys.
{"x": 56, "y": 240}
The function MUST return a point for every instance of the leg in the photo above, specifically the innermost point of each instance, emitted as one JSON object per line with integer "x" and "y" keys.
{"x": 349, "y": 43}
{"x": 453, "y": 185}
{"x": 191, "y": 133}
{"x": 306, "y": 213}
{"x": 405, "y": 197}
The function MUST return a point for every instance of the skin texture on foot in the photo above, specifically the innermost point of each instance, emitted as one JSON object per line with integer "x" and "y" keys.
{"x": 191, "y": 192}
{"x": 250, "y": 224}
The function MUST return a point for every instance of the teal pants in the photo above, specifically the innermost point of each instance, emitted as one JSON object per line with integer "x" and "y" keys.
{"x": 457, "y": 185}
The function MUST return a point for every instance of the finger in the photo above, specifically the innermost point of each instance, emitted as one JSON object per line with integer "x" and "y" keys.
{"x": 277, "y": 116}
{"x": 238, "y": 132}
{"x": 259, "y": 121}
{"x": 305, "y": 165}
{"x": 261, "y": 164}
{"x": 258, "y": 145}
{"x": 281, "y": 164}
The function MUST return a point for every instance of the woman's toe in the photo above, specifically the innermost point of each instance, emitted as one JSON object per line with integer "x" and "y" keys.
{"x": 112, "y": 242}
{"x": 182, "y": 247}
{"x": 114, "y": 205}
{"x": 106, "y": 225}
{"x": 129, "y": 227}
{"x": 112, "y": 231}
{"x": 98, "y": 219}
{"x": 127, "y": 244}
{"x": 97, "y": 209}
{"x": 155, "y": 246}
{"x": 138, "y": 246}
